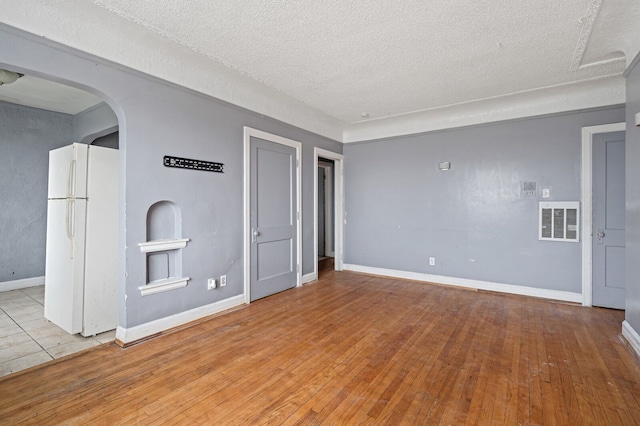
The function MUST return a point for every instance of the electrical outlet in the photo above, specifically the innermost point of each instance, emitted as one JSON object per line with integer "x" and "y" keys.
{"x": 211, "y": 283}
{"x": 432, "y": 261}
{"x": 223, "y": 280}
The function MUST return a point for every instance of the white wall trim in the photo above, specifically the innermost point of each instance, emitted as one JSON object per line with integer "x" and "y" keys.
{"x": 307, "y": 278}
{"x": 142, "y": 331}
{"x": 248, "y": 134}
{"x": 23, "y": 283}
{"x": 338, "y": 185}
{"x": 587, "y": 204}
{"x": 632, "y": 336}
{"x": 600, "y": 92}
{"x": 566, "y": 296}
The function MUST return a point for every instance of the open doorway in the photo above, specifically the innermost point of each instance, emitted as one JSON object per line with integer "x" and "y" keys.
{"x": 326, "y": 215}
{"x": 328, "y": 211}
{"x": 39, "y": 116}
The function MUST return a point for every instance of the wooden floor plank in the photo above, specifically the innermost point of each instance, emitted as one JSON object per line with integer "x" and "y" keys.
{"x": 352, "y": 349}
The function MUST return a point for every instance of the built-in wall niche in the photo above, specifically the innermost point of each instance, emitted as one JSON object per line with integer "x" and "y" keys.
{"x": 163, "y": 249}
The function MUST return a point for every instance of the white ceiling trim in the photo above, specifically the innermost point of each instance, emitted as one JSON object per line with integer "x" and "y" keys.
{"x": 129, "y": 41}
{"x": 557, "y": 99}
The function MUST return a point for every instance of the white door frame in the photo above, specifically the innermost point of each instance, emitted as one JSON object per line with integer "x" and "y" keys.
{"x": 328, "y": 205}
{"x": 338, "y": 185}
{"x": 587, "y": 204}
{"x": 248, "y": 134}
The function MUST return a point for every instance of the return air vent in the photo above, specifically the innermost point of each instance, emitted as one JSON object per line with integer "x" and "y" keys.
{"x": 559, "y": 221}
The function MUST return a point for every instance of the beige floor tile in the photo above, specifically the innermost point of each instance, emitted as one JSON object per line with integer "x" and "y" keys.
{"x": 24, "y": 362}
{"x": 44, "y": 330}
{"x": 10, "y": 306}
{"x": 59, "y": 339}
{"x": 31, "y": 291}
{"x": 5, "y": 319}
{"x": 35, "y": 323}
{"x": 11, "y": 295}
{"x": 24, "y": 308}
{"x": 70, "y": 348}
{"x": 8, "y": 330}
{"x": 26, "y": 315}
{"x": 36, "y": 293}
{"x": 106, "y": 337}
{"x": 21, "y": 302}
{"x": 15, "y": 339}
{"x": 19, "y": 350}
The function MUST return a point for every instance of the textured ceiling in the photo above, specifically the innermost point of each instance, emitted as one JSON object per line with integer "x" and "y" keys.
{"x": 410, "y": 65}
{"x": 387, "y": 58}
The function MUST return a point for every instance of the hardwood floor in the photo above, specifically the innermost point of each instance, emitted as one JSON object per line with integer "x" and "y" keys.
{"x": 352, "y": 349}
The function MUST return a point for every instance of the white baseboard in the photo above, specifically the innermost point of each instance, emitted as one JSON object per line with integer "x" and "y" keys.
{"x": 309, "y": 277}
{"x": 566, "y": 296}
{"x": 632, "y": 336}
{"x": 24, "y": 283}
{"x": 138, "y": 332}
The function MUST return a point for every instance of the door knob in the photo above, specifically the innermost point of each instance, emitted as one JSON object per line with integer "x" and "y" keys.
{"x": 255, "y": 233}
{"x": 600, "y": 233}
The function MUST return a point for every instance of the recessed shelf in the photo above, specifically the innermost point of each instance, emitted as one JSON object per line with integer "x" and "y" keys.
{"x": 163, "y": 285}
{"x": 162, "y": 245}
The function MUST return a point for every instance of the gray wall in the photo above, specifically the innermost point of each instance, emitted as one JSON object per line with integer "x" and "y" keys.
{"x": 473, "y": 218}
{"x": 26, "y": 137}
{"x": 93, "y": 123}
{"x": 111, "y": 140}
{"x": 155, "y": 119}
{"x": 632, "y": 313}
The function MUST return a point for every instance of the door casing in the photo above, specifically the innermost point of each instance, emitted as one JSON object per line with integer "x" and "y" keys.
{"x": 587, "y": 204}
{"x": 255, "y": 133}
{"x": 338, "y": 207}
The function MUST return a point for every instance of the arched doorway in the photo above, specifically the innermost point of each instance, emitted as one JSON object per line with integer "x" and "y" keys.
{"x": 38, "y": 115}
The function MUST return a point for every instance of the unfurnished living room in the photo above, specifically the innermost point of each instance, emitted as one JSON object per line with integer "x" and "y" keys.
{"x": 363, "y": 212}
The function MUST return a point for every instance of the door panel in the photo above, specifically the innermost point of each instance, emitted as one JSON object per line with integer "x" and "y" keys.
{"x": 609, "y": 220}
{"x": 273, "y": 218}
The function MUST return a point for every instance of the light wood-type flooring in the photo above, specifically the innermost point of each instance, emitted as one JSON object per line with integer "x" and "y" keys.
{"x": 352, "y": 349}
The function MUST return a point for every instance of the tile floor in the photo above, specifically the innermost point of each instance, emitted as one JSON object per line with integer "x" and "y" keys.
{"x": 28, "y": 339}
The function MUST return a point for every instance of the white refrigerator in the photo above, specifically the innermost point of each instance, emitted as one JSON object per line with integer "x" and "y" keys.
{"x": 81, "y": 272}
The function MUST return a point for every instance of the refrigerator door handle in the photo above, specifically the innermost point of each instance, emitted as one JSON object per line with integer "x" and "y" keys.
{"x": 71, "y": 179}
{"x": 70, "y": 221}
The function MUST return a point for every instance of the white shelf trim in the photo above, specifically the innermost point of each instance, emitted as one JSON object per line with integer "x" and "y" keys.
{"x": 162, "y": 245}
{"x": 163, "y": 285}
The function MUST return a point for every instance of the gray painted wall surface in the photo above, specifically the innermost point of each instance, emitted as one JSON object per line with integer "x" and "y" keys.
{"x": 111, "y": 140}
{"x": 157, "y": 119}
{"x": 93, "y": 123}
{"x": 473, "y": 219}
{"x": 632, "y": 313}
{"x": 26, "y": 137}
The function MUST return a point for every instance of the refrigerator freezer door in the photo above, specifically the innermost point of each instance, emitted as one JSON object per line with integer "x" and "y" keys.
{"x": 68, "y": 172}
{"x": 101, "y": 263}
{"x": 64, "y": 266}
